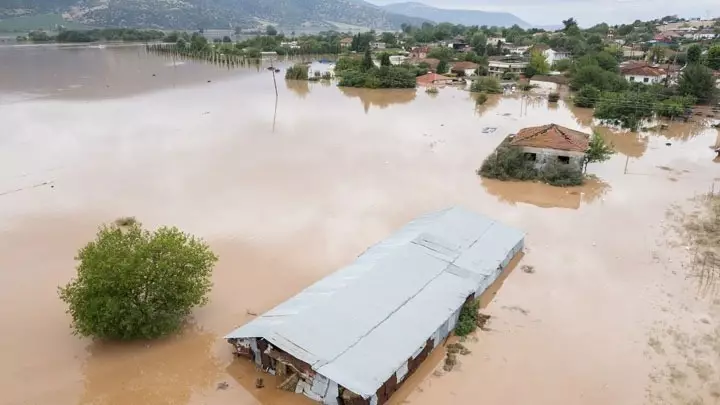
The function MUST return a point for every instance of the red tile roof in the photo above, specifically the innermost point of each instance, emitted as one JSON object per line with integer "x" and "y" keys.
{"x": 552, "y": 136}
{"x": 465, "y": 65}
{"x": 431, "y": 78}
{"x": 642, "y": 71}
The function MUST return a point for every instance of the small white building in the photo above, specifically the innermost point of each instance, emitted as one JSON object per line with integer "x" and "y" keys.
{"x": 377, "y": 45}
{"x": 495, "y": 40}
{"x": 552, "y": 55}
{"x": 645, "y": 74}
{"x": 704, "y": 34}
{"x": 497, "y": 67}
{"x": 291, "y": 45}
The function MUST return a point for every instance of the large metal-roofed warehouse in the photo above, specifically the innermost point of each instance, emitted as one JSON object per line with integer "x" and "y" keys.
{"x": 353, "y": 337}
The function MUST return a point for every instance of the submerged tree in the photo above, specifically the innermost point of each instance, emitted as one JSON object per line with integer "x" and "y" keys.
{"x": 598, "y": 151}
{"x": 132, "y": 283}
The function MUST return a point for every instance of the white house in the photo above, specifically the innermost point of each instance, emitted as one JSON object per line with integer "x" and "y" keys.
{"x": 497, "y": 67}
{"x": 704, "y": 34}
{"x": 495, "y": 40}
{"x": 643, "y": 74}
{"x": 552, "y": 55}
{"x": 291, "y": 45}
{"x": 377, "y": 45}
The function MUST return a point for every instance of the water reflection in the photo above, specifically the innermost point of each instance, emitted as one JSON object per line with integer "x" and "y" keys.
{"x": 379, "y": 98}
{"x": 300, "y": 87}
{"x": 583, "y": 116}
{"x": 166, "y": 371}
{"x": 544, "y": 195}
{"x": 630, "y": 144}
{"x": 492, "y": 101}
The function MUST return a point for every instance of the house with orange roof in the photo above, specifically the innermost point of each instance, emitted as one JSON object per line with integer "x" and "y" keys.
{"x": 643, "y": 73}
{"x": 552, "y": 143}
{"x": 431, "y": 79}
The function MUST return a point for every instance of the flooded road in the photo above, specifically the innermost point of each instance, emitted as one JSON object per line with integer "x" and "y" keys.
{"x": 286, "y": 193}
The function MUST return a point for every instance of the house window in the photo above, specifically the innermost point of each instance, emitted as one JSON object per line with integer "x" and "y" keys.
{"x": 632, "y": 78}
{"x": 531, "y": 157}
{"x": 645, "y": 80}
{"x": 564, "y": 160}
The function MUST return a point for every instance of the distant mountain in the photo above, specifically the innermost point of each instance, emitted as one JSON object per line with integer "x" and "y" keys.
{"x": 193, "y": 14}
{"x": 464, "y": 17}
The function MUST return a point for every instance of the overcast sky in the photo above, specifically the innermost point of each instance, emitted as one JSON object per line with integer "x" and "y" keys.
{"x": 587, "y": 12}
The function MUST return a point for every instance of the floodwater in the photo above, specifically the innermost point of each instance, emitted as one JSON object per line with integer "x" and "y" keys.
{"x": 287, "y": 192}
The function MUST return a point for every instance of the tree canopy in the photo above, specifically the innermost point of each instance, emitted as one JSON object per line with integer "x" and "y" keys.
{"x": 132, "y": 283}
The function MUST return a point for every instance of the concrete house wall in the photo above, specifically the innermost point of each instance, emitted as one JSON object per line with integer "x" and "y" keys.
{"x": 644, "y": 79}
{"x": 546, "y": 156}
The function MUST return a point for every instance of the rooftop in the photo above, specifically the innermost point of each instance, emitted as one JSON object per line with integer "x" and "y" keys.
{"x": 552, "y": 136}
{"x": 465, "y": 65}
{"x": 642, "y": 70}
{"x": 359, "y": 325}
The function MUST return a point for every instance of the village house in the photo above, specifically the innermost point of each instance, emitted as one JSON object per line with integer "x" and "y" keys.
{"x": 704, "y": 34}
{"x": 643, "y": 73}
{"x": 464, "y": 69}
{"x": 433, "y": 79}
{"x": 554, "y": 55}
{"x": 419, "y": 52}
{"x": 291, "y": 45}
{"x": 511, "y": 49}
{"x": 458, "y": 43}
{"x": 346, "y": 42}
{"x": 354, "y": 337}
{"x": 494, "y": 41}
{"x": 377, "y": 45}
{"x": 497, "y": 66}
{"x": 552, "y": 143}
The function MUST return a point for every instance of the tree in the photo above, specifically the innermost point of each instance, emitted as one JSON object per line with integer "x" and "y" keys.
{"x": 598, "y": 151}
{"x": 487, "y": 84}
{"x": 586, "y": 97}
{"x": 694, "y": 53}
{"x": 197, "y": 42}
{"x": 597, "y": 77}
{"x": 226, "y": 39}
{"x": 385, "y": 59}
{"x": 656, "y": 53}
{"x": 697, "y": 80}
{"x": 442, "y": 66}
{"x": 389, "y": 38}
{"x": 367, "y": 62}
{"x": 538, "y": 63}
{"x": 270, "y": 30}
{"x": 132, "y": 283}
{"x": 478, "y": 42}
{"x": 570, "y": 24}
{"x": 713, "y": 58}
{"x": 441, "y": 52}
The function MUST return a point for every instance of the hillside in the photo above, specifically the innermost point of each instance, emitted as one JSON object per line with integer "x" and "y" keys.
{"x": 464, "y": 17}
{"x": 193, "y": 14}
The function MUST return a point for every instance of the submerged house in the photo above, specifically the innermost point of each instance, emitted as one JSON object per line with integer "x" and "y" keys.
{"x": 552, "y": 142}
{"x": 355, "y": 336}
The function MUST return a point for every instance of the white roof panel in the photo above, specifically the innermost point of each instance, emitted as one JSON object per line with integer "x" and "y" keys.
{"x": 358, "y": 325}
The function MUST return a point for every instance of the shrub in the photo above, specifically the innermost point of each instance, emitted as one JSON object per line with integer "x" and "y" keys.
{"x": 125, "y": 221}
{"x": 560, "y": 174}
{"x": 508, "y": 163}
{"x": 586, "y": 97}
{"x": 486, "y": 84}
{"x": 627, "y": 109}
{"x": 132, "y": 283}
{"x": 432, "y": 90}
{"x": 510, "y": 76}
{"x": 553, "y": 97}
{"x": 297, "y": 72}
{"x": 467, "y": 321}
{"x": 387, "y": 77}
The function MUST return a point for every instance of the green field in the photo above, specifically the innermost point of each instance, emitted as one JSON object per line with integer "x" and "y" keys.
{"x": 42, "y": 21}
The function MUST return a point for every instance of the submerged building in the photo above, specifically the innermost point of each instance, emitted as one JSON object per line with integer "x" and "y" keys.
{"x": 355, "y": 336}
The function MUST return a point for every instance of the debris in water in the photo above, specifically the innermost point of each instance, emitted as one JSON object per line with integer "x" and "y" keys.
{"x": 450, "y": 362}
{"x": 482, "y": 321}
{"x": 489, "y": 130}
{"x": 455, "y": 348}
{"x": 209, "y": 81}
{"x": 223, "y": 385}
{"x": 518, "y": 309}
{"x": 668, "y": 144}
{"x": 259, "y": 383}
{"x": 247, "y": 311}
{"x": 154, "y": 75}
{"x": 528, "y": 269}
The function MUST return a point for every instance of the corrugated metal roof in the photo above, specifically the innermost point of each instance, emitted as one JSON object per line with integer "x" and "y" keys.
{"x": 358, "y": 325}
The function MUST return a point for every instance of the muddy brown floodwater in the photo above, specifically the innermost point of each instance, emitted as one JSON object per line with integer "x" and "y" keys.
{"x": 286, "y": 194}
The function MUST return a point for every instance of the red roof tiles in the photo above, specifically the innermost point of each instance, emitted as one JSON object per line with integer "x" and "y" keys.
{"x": 552, "y": 136}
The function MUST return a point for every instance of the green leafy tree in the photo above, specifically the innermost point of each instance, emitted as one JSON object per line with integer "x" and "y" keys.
{"x": 487, "y": 84}
{"x": 627, "y": 109}
{"x": 441, "y": 52}
{"x": 586, "y": 97}
{"x": 389, "y": 38}
{"x": 478, "y": 42}
{"x": 696, "y": 80}
{"x": 367, "y": 62}
{"x": 385, "y": 59}
{"x": 569, "y": 23}
{"x": 694, "y": 53}
{"x": 539, "y": 63}
{"x": 598, "y": 151}
{"x": 598, "y": 78}
{"x": 562, "y": 65}
{"x": 713, "y": 58}
{"x": 226, "y": 39}
{"x": 271, "y": 31}
{"x": 298, "y": 71}
{"x": 442, "y": 66}
{"x": 132, "y": 283}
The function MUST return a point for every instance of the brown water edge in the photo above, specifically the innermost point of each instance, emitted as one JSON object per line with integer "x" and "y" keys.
{"x": 283, "y": 208}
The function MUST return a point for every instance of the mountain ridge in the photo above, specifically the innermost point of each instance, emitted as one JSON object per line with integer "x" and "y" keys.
{"x": 194, "y": 14}
{"x": 464, "y": 17}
